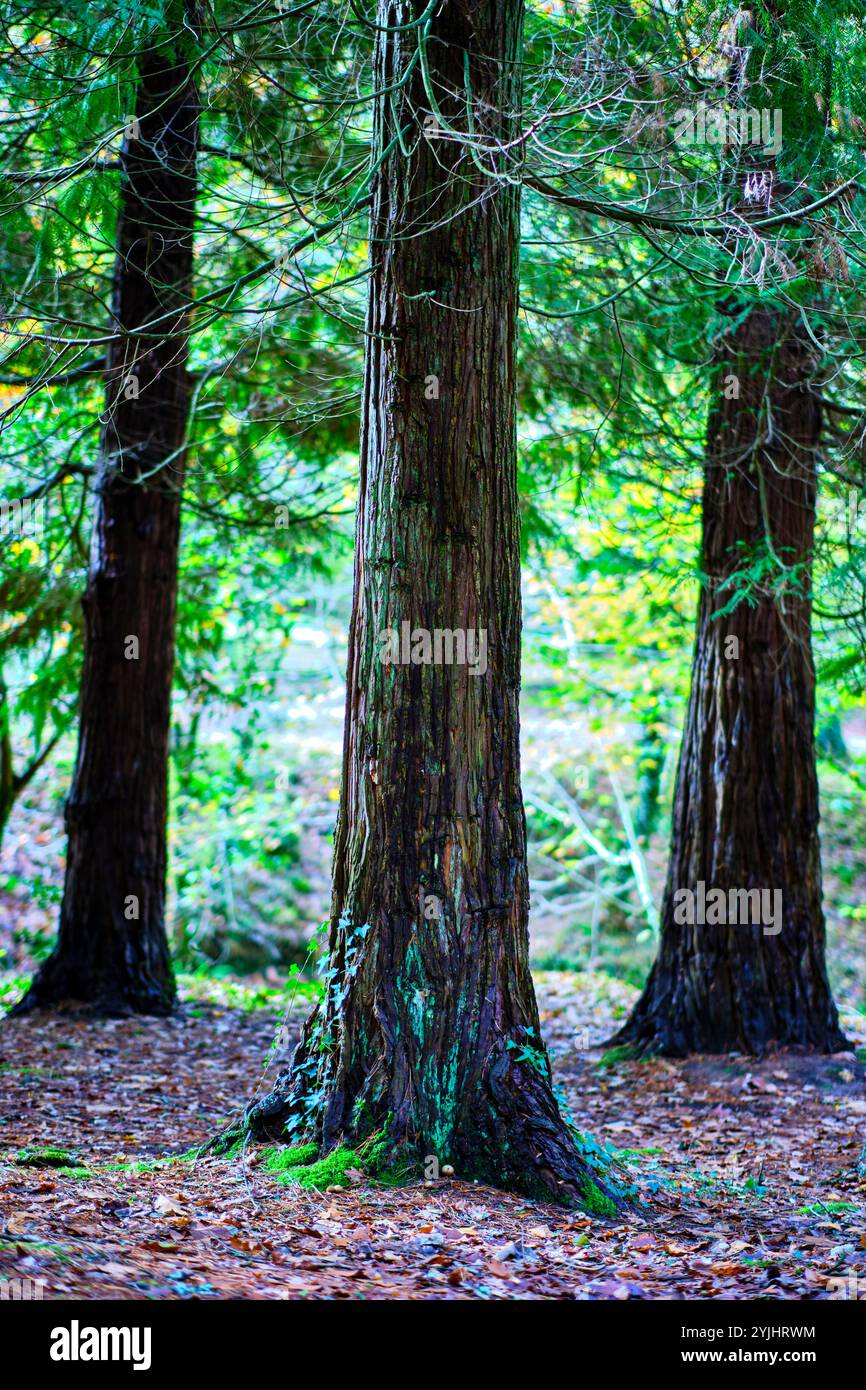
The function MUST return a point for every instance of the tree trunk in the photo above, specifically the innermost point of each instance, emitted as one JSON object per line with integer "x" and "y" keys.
{"x": 111, "y": 954}
{"x": 429, "y": 1034}
{"x": 7, "y": 770}
{"x": 746, "y": 806}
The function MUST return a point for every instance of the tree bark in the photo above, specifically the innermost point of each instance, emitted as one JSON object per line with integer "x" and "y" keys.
{"x": 7, "y": 770}
{"x": 429, "y": 1033}
{"x": 111, "y": 954}
{"x": 746, "y": 805}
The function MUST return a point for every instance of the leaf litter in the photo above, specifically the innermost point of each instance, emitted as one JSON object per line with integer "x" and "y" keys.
{"x": 747, "y": 1173}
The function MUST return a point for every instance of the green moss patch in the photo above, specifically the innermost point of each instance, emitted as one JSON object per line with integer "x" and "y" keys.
{"x": 596, "y": 1202}
{"x": 608, "y": 1168}
{"x": 282, "y": 1160}
{"x": 47, "y": 1158}
{"x": 301, "y": 1164}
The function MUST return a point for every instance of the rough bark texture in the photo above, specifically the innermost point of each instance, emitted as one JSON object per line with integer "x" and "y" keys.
{"x": 430, "y": 1030}
{"x": 746, "y": 804}
{"x": 8, "y": 789}
{"x": 111, "y": 953}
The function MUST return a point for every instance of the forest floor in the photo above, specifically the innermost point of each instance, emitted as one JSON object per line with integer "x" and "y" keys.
{"x": 746, "y": 1171}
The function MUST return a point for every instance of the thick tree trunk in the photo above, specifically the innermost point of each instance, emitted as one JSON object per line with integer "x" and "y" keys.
{"x": 429, "y": 1034}
{"x": 746, "y": 805}
{"x": 111, "y": 953}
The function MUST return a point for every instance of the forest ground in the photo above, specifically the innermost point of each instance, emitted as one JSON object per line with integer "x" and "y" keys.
{"x": 747, "y": 1171}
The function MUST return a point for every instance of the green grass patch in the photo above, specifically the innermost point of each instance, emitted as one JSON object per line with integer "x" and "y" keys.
{"x": 623, "y": 1053}
{"x": 819, "y": 1208}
